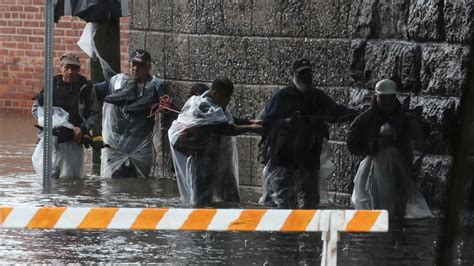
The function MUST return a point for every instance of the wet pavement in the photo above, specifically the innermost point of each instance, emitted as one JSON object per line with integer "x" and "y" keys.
{"x": 413, "y": 243}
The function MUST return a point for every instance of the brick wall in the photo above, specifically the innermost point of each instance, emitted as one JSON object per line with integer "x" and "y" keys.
{"x": 22, "y": 50}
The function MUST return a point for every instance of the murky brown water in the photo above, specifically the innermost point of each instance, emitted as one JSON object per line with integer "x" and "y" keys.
{"x": 411, "y": 244}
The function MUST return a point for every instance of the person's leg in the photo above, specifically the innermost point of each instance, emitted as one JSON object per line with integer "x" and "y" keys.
{"x": 201, "y": 179}
{"x": 280, "y": 187}
{"x": 308, "y": 188}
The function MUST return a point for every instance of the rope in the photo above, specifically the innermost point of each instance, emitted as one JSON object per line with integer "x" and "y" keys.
{"x": 164, "y": 106}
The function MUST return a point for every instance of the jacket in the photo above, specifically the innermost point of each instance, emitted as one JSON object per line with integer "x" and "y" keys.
{"x": 87, "y": 105}
{"x": 298, "y": 146}
{"x": 364, "y": 139}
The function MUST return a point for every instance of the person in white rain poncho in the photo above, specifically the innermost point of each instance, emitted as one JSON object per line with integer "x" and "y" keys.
{"x": 203, "y": 147}
{"x": 126, "y": 124}
{"x": 383, "y": 134}
{"x": 75, "y": 113}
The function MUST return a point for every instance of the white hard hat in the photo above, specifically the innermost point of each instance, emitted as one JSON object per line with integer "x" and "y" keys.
{"x": 386, "y": 86}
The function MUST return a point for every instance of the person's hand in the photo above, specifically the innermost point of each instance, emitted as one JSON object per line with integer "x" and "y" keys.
{"x": 256, "y": 128}
{"x": 294, "y": 119}
{"x": 256, "y": 121}
{"x": 77, "y": 134}
{"x": 386, "y": 130}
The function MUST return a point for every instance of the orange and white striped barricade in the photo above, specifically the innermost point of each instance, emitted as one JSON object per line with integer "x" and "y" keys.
{"x": 329, "y": 222}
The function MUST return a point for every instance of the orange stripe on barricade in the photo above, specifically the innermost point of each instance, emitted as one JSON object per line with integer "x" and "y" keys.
{"x": 362, "y": 221}
{"x": 46, "y": 217}
{"x": 247, "y": 221}
{"x": 4, "y": 212}
{"x": 98, "y": 218}
{"x": 298, "y": 220}
{"x": 148, "y": 219}
{"x": 199, "y": 219}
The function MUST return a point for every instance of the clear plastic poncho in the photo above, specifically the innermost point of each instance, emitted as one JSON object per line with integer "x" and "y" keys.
{"x": 384, "y": 181}
{"x": 68, "y": 157}
{"x": 206, "y": 164}
{"x": 129, "y": 135}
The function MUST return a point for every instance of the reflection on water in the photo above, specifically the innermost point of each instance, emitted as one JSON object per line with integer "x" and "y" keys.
{"x": 413, "y": 243}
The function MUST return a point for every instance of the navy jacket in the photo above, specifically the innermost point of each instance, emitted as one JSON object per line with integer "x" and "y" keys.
{"x": 298, "y": 146}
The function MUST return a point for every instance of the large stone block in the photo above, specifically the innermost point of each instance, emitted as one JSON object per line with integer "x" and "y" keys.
{"x": 330, "y": 59}
{"x": 185, "y": 16}
{"x": 179, "y": 92}
{"x": 137, "y": 40}
{"x": 210, "y": 17}
{"x": 250, "y": 170}
{"x": 245, "y": 160}
{"x": 285, "y": 51}
{"x": 295, "y": 18}
{"x": 357, "y": 65}
{"x": 444, "y": 69}
{"x": 266, "y": 18}
{"x": 459, "y": 20}
{"x": 201, "y": 58}
{"x": 363, "y": 19}
{"x": 229, "y": 58}
{"x": 425, "y": 21}
{"x": 438, "y": 116}
{"x": 379, "y": 19}
{"x": 176, "y": 49}
{"x": 398, "y": 61}
{"x": 237, "y": 17}
{"x": 139, "y": 13}
{"x": 248, "y": 101}
{"x": 262, "y": 66}
{"x": 329, "y": 19}
{"x": 161, "y": 18}
{"x": 155, "y": 44}
{"x": 346, "y": 168}
{"x": 433, "y": 178}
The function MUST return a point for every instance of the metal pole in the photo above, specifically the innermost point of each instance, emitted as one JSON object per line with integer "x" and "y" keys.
{"x": 48, "y": 93}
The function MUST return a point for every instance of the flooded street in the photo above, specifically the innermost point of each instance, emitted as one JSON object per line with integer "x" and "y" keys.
{"x": 411, "y": 244}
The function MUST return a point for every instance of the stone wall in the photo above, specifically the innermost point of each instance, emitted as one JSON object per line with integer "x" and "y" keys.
{"x": 420, "y": 44}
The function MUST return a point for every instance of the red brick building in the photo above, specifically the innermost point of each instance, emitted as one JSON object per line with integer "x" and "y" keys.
{"x": 22, "y": 50}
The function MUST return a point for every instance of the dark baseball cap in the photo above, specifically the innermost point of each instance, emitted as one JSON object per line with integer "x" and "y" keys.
{"x": 140, "y": 56}
{"x": 301, "y": 64}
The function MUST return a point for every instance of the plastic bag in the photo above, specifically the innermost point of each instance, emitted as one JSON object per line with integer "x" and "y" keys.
{"x": 384, "y": 181}
{"x": 67, "y": 158}
{"x": 206, "y": 165}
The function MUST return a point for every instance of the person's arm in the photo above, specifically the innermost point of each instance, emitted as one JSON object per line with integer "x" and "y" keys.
{"x": 93, "y": 111}
{"x": 241, "y": 121}
{"x": 102, "y": 89}
{"x": 234, "y": 130}
{"x": 358, "y": 140}
{"x": 334, "y": 112}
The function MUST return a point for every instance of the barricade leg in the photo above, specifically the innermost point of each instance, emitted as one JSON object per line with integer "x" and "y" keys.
{"x": 330, "y": 239}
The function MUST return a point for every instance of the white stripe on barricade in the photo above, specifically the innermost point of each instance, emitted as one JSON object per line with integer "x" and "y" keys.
{"x": 329, "y": 222}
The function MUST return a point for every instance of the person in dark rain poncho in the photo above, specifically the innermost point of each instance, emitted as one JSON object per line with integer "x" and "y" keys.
{"x": 295, "y": 134}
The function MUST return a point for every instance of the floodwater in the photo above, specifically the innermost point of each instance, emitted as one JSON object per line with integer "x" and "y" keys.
{"x": 413, "y": 243}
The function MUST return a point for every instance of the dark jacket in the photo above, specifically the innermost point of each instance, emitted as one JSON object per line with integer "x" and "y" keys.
{"x": 298, "y": 146}
{"x": 86, "y": 102}
{"x": 364, "y": 139}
